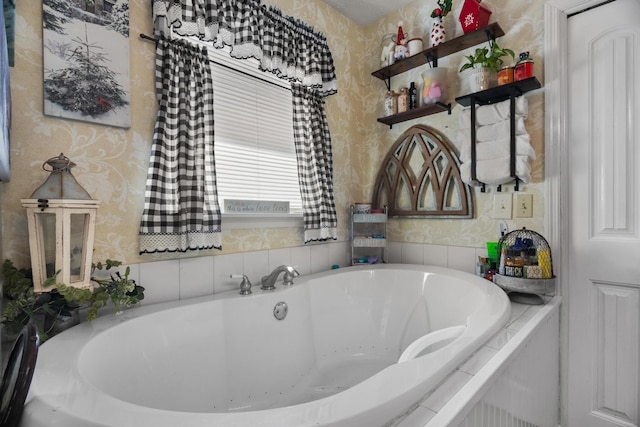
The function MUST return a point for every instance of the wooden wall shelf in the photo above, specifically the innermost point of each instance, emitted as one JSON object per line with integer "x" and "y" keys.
{"x": 432, "y": 54}
{"x": 490, "y": 32}
{"x": 415, "y": 113}
{"x": 500, "y": 93}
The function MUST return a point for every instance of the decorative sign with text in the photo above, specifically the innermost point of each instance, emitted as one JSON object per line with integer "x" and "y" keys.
{"x": 255, "y": 207}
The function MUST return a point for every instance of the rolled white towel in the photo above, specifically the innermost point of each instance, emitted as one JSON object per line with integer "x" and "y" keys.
{"x": 493, "y": 113}
{"x": 499, "y": 130}
{"x": 498, "y": 149}
{"x": 493, "y": 131}
{"x": 496, "y": 171}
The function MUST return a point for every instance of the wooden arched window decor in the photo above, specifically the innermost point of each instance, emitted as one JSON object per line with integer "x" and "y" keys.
{"x": 420, "y": 176}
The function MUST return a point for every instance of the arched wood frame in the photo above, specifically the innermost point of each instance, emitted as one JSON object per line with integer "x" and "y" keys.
{"x": 437, "y": 178}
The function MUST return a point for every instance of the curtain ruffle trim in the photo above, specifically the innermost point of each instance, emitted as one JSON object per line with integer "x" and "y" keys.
{"x": 320, "y": 234}
{"x": 160, "y": 242}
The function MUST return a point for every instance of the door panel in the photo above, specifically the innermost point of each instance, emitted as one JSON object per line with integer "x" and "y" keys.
{"x": 603, "y": 293}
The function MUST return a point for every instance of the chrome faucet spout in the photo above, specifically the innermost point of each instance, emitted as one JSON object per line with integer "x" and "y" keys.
{"x": 269, "y": 281}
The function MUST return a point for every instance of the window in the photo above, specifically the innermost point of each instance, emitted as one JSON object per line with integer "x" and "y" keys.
{"x": 254, "y": 148}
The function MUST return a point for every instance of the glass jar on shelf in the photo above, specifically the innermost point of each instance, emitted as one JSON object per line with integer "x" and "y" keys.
{"x": 390, "y": 104}
{"x": 403, "y": 100}
{"x": 387, "y": 49}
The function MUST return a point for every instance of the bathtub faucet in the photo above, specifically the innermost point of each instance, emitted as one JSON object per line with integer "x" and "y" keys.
{"x": 245, "y": 286}
{"x": 269, "y": 282}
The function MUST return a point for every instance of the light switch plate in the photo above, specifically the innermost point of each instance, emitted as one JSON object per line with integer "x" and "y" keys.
{"x": 502, "y": 206}
{"x": 524, "y": 206}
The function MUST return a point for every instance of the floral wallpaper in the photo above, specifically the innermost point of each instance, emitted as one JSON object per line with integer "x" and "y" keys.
{"x": 112, "y": 162}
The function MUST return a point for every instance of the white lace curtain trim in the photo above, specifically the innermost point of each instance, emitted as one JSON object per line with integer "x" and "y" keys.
{"x": 151, "y": 243}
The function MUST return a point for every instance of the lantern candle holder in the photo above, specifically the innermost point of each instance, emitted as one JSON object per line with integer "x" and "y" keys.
{"x": 61, "y": 217}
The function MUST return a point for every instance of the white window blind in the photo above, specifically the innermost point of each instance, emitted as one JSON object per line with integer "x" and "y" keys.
{"x": 254, "y": 150}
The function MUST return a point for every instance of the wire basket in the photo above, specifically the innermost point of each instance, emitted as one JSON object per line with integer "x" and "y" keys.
{"x": 526, "y": 265}
{"x": 532, "y": 248}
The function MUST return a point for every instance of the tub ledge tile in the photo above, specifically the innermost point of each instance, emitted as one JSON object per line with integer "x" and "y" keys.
{"x": 446, "y": 390}
{"x": 418, "y": 418}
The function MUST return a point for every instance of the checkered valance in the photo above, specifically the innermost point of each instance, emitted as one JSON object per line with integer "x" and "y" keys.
{"x": 285, "y": 46}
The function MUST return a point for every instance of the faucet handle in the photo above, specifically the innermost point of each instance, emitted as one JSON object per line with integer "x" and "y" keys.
{"x": 245, "y": 286}
{"x": 287, "y": 278}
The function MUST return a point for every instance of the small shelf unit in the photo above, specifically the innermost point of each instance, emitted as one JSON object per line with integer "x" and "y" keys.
{"x": 368, "y": 237}
{"x": 500, "y": 93}
{"x": 490, "y": 32}
{"x": 415, "y": 113}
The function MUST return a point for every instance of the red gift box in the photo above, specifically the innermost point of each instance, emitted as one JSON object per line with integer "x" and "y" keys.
{"x": 473, "y": 16}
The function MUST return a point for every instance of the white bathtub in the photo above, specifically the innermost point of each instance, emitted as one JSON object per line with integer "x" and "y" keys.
{"x": 225, "y": 360}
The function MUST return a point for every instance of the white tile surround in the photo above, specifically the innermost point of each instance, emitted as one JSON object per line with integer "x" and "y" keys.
{"x": 464, "y": 388}
{"x": 192, "y": 277}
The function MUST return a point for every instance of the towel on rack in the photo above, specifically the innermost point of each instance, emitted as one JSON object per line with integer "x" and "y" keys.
{"x": 493, "y": 144}
{"x": 496, "y": 171}
{"x": 498, "y": 148}
{"x": 495, "y": 113}
{"x": 490, "y": 132}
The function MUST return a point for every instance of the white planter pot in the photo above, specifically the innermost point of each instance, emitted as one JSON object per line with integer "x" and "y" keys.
{"x": 481, "y": 78}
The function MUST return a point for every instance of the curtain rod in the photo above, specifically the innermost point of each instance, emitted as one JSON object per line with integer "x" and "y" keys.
{"x": 146, "y": 37}
{"x": 152, "y": 39}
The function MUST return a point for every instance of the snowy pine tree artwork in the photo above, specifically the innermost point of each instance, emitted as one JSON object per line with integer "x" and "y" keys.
{"x": 86, "y": 60}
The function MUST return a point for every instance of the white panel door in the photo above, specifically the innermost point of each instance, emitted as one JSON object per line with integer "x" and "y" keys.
{"x": 604, "y": 210}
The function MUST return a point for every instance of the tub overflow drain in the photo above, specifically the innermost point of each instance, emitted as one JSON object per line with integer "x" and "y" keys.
{"x": 280, "y": 310}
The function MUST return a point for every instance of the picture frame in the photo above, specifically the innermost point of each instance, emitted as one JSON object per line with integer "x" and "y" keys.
{"x": 86, "y": 61}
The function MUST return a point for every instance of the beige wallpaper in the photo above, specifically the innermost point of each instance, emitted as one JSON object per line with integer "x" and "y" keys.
{"x": 112, "y": 162}
{"x": 523, "y": 25}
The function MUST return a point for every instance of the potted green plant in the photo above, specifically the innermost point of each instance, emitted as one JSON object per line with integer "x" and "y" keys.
{"x": 52, "y": 311}
{"x": 58, "y": 309}
{"x": 484, "y": 64}
{"x": 119, "y": 289}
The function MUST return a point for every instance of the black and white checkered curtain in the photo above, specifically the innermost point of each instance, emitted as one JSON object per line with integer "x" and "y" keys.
{"x": 315, "y": 164}
{"x": 293, "y": 51}
{"x": 284, "y": 45}
{"x": 181, "y": 210}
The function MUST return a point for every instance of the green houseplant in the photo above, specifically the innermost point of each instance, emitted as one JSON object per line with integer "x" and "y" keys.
{"x": 50, "y": 308}
{"x": 119, "y": 289}
{"x": 63, "y": 302}
{"x": 484, "y": 64}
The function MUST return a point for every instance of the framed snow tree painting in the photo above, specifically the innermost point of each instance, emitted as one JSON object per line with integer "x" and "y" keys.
{"x": 86, "y": 60}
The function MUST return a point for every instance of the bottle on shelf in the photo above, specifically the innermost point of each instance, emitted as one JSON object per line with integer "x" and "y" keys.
{"x": 390, "y": 104}
{"x": 403, "y": 100}
{"x": 413, "y": 96}
{"x": 490, "y": 272}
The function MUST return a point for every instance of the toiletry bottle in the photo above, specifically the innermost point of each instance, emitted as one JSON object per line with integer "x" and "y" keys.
{"x": 491, "y": 271}
{"x": 390, "y": 104}
{"x": 481, "y": 266}
{"x": 518, "y": 258}
{"x": 508, "y": 263}
{"x": 518, "y": 264}
{"x": 544, "y": 261}
{"x": 403, "y": 100}
{"x": 413, "y": 96}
